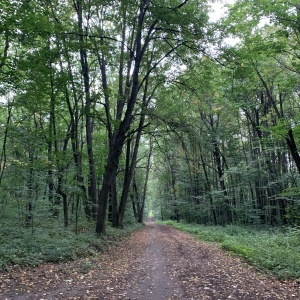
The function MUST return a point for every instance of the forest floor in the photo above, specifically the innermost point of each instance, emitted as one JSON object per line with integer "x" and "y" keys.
{"x": 157, "y": 262}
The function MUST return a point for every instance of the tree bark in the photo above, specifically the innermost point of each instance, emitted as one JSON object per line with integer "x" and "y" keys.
{"x": 116, "y": 148}
{"x": 126, "y": 185}
{"x": 208, "y": 189}
{"x": 92, "y": 190}
{"x": 74, "y": 136}
{"x": 141, "y": 211}
{"x": 290, "y": 140}
{"x": 131, "y": 166}
{"x": 3, "y": 152}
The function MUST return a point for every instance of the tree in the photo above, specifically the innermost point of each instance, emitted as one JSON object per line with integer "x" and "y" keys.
{"x": 148, "y": 33}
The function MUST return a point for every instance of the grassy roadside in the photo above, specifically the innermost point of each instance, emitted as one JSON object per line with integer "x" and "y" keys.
{"x": 276, "y": 251}
{"x": 20, "y": 246}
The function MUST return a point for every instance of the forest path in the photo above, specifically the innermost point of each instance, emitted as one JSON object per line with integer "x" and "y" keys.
{"x": 157, "y": 262}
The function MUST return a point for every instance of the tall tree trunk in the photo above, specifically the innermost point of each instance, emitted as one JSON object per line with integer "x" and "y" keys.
{"x": 173, "y": 190}
{"x": 228, "y": 217}
{"x": 290, "y": 140}
{"x": 279, "y": 112}
{"x": 4, "y": 56}
{"x": 51, "y": 140}
{"x": 3, "y": 152}
{"x": 115, "y": 150}
{"x": 74, "y": 136}
{"x": 137, "y": 198}
{"x": 29, "y": 206}
{"x": 113, "y": 203}
{"x": 61, "y": 170}
{"x": 129, "y": 169}
{"x": 92, "y": 191}
{"x": 130, "y": 166}
{"x": 208, "y": 190}
{"x": 141, "y": 211}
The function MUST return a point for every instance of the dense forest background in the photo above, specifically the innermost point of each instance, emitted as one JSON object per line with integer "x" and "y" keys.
{"x": 113, "y": 110}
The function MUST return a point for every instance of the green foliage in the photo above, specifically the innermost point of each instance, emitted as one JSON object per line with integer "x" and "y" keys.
{"x": 222, "y": 130}
{"x": 276, "y": 251}
{"x": 21, "y": 247}
{"x": 237, "y": 248}
{"x": 292, "y": 212}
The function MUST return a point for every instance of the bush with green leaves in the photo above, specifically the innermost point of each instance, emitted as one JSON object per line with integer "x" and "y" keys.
{"x": 24, "y": 247}
{"x": 273, "y": 250}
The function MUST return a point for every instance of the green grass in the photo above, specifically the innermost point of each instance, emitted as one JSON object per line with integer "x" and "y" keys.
{"x": 19, "y": 246}
{"x": 275, "y": 251}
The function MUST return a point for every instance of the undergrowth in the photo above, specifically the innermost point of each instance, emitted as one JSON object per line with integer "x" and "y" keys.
{"x": 274, "y": 250}
{"x": 24, "y": 247}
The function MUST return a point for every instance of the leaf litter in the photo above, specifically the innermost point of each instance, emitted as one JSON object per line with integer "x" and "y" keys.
{"x": 157, "y": 262}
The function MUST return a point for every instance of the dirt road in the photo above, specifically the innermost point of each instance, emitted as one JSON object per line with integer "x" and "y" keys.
{"x": 157, "y": 262}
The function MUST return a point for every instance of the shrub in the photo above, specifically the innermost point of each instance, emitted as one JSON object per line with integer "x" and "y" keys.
{"x": 274, "y": 250}
{"x": 25, "y": 247}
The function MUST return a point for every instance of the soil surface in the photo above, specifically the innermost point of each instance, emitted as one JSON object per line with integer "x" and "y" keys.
{"x": 157, "y": 262}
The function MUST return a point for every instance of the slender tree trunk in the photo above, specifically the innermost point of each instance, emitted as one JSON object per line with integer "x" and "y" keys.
{"x": 290, "y": 136}
{"x": 51, "y": 140}
{"x": 173, "y": 189}
{"x": 137, "y": 198}
{"x": 29, "y": 208}
{"x": 141, "y": 211}
{"x": 61, "y": 170}
{"x": 208, "y": 189}
{"x": 63, "y": 195}
{"x": 134, "y": 200}
{"x": 130, "y": 166}
{"x": 227, "y": 211}
{"x": 92, "y": 191}
{"x": 74, "y": 136}
{"x": 3, "y": 152}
